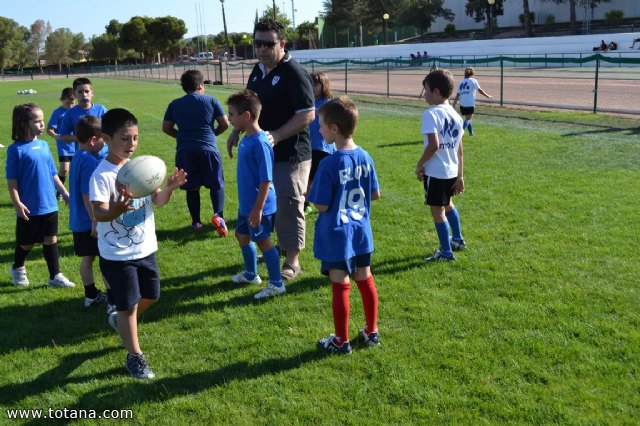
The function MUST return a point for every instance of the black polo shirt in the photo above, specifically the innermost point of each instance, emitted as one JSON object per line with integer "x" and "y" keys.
{"x": 283, "y": 92}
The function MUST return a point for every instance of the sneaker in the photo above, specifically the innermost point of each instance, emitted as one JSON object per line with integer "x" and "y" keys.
{"x": 110, "y": 308}
{"x": 138, "y": 368}
{"x": 241, "y": 278}
{"x": 60, "y": 281}
{"x": 269, "y": 291}
{"x": 99, "y": 299}
{"x": 470, "y": 131}
{"x": 458, "y": 245}
{"x": 370, "y": 339}
{"x": 112, "y": 318}
{"x": 329, "y": 345}
{"x": 308, "y": 209}
{"x": 19, "y": 276}
{"x": 438, "y": 256}
{"x": 195, "y": 227}
{"x": 221, "y": 227}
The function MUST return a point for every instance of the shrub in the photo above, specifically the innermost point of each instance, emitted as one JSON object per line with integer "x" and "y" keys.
{"x": 614, "y": 17}
{"x": 532, "y": 17}
{"x": 550, "y": 20}
{"x": 450, "y": 29}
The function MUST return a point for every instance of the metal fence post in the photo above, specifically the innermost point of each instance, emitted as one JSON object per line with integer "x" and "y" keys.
{"x": 388, "y": 77}
{"x": 501, "y": 81}
{"x": 595, "y": 90}
{"x": 346, "y": 63}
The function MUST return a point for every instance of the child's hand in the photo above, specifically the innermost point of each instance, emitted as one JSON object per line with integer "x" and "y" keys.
{"x": 177, "y": 179}
{"x": 123, "y": 202}
{"x": 22, "y": 211}
{"x": 420, "y": 172}
{"x": 255, "y": 218}
{"x": 458, "y": 186}
{"x": 94, "y": 229}
{"x": 65, "y": 197}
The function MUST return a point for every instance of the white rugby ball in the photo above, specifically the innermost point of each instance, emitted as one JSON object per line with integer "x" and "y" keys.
{"x": 142, "y": 175}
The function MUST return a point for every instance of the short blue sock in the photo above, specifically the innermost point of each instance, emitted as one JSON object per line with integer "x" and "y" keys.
{"x": 465, "y": 124}
{"x": 272, "y": 260}
{"x": 443, "y": 235}
{"x": 250, "y": 256}
{"x": 470, "y": 128}
{"x": 454, "y": 222}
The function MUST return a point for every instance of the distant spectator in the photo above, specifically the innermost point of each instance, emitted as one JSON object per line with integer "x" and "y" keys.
{"x": 612, "y": 46}
{"x": 635, "y": 40}
{"x": 601, "y": 48}
{"x": 418, "y": 55}
{"x": 413, "y": 59}
{"x": 425, "y": 55}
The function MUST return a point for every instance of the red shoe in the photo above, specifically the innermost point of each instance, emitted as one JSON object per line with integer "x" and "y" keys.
{"x": 220, "y": 226}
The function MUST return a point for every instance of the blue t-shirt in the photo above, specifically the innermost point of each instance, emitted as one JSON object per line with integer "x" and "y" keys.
{"x": 255, "y": 165}
{"x": 317, "y": 141}
{"x": 82, "y": 167}
{"x": 66, "y": 149}
{"x": 195, "y": 115}
{"x": 31, "y": 164}
{"x": 344, "y": 182}
{"x": 73, "y": 115}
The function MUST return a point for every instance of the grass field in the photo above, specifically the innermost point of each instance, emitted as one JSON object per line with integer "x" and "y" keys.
{"x": 537, "y": 322}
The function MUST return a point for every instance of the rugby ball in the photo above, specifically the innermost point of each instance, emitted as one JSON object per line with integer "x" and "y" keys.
{"x": 142, "y": 175}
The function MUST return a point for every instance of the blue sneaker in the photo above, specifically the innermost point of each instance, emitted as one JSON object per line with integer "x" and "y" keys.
{"x": 138, "y": 367}
{"x": 370, "y": 339}
{"x": 438, "y": 256}
{"x": 459, "y": 245}
{"x": 329, "y": 345}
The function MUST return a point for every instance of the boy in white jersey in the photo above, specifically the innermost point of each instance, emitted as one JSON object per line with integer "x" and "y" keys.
{"x": 440, "y": 167}
{"x": 126, "y": 234}
{"x": 467, "y": 95}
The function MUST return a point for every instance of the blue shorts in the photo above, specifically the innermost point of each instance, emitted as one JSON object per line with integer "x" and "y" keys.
{"x": 259, "y": 233}
{"x": 350, "y": 266}
{"x": 66, "y": 149}
{"x": 204, "y": 168}
{"x": 131, "y": 280}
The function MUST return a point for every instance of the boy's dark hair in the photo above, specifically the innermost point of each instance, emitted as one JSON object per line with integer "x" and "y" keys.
{"x": 246, "y": 100}
{"x": 468, "y": 72}
{"x": 190, "y": 80}
{"x": 80, "y": 81}
{"x": 322, "y": 79}
{"x": 88, "y": 127}
{"x": 342, "y": 112}
{"x": 22, "y": 114}
{"x": 67, "y": 93}
{"x": 440, "y": 79}
{"x": 269, "y": 25}
{"x": 115, "y": 119}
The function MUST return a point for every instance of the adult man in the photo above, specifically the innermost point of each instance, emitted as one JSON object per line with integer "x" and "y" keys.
{"x": 286, "y": 94}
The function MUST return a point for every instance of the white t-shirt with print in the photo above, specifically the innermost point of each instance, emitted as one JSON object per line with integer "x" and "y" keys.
{"x": 130, "y": 236}
{"x": 467, "y": 89}
{"x": 443, "y": 121}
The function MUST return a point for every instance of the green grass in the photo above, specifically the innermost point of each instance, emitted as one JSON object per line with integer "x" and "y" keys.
{"x": 537, "y": 322}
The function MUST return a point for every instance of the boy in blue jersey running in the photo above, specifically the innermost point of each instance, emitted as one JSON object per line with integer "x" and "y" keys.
{"x": 256, "y": 195}
{"x": 83, "y": 91}
{"x": 81, "y": 218}
{"x": 344, "y": 186}
{"x": 32, "y": 180}
{"x": 441, "y": 167}
{"x": 65, "y": 150}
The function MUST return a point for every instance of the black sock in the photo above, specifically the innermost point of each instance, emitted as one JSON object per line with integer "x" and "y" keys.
{"x": 110, "y": 297}
{"x": 51, "y": 257}
{"x": 90, "y": 291}
{"x": 193, "y": 204}
{"x": 217, "y": 201}
{"x": 19, "y": 256}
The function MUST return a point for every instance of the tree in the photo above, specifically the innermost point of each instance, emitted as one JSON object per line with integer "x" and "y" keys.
{"x": 573, "y": 22}
{"x": 423, "y": 14}
{"x": 165, "y": 33}
{"x": 38, "y": 34}
{"x": 58, "y": 46}
{"x": 527, "y": 18}
{"x": 479, "y": 9}
{"x": 12, "y": 42}
{"x": 113, "y": 28}
{"x": 133, "y": 35}
{"x": 105, "y": 47}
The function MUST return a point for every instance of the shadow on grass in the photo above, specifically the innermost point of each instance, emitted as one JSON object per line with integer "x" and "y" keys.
{"x": 396, "y": 144}
{"x": 119, "y": 396}
{"x": 394, "y": 266}
{"x": 185, "y": 234}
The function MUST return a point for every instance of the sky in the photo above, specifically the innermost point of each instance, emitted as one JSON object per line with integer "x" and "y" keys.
{"x": 91, "y": 17}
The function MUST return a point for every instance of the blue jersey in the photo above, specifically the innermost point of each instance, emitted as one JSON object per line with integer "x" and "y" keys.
{"x": 31, "y": 164}
{"x": 73, "y": 115}
{"x": 65, "y": 149}
{"x": 317, "y": 141}
{"x": 82, "y": 167}
{"x": 255, "y": 165}
{"x": 195, "y": 115}
{"x": 344, "y": 182}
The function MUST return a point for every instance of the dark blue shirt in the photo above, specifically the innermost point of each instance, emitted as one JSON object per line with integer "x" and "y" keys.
{"x": 195, "y": 115}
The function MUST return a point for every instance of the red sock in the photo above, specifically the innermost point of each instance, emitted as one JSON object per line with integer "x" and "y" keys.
{"x": 341, "y": 310}
{"x": 369, "y": 296}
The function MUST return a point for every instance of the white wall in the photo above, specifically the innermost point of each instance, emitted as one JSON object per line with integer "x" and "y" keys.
{"x": 568, "y": 45}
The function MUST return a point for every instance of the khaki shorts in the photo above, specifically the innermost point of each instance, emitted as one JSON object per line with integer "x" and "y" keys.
{"x": 290, "y": 181}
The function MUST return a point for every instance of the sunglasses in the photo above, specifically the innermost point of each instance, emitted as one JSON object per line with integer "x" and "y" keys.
{"x": 264, "y": 43}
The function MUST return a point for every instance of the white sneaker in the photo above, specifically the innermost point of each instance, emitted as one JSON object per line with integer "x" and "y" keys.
{"x": 60, "y": 281}
{"x": 240, "y": 278}
{"x": 269, "y": 291}
{"x": 112, "y": 318}
{"x": 19, "y": 276}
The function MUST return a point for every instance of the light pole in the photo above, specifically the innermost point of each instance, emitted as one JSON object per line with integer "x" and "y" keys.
{"x": 226, "y": 36}
{"x": 385, "y": 18}
{"x": 490, "y": 23}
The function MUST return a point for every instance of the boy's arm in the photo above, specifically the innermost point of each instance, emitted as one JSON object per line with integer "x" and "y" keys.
{"x": 51, "y": 131}
{"x": 255, "y": 217}
{"x": 106, "y": 212}
{"x": 20, "y": 208}
{"x": 458, "y": 186}
{"x": 89, "y": 208}
{"x": 455, "y": 100}
{"x": 485, "y": 93}
{"x": 61, "y": 189}
{"x": 223, "y": 124}
{"x": 176, "y": 180}
{"x": 375, "y": 195}
{"x": 295, "y": 125}
{"x": 168, "y": 127}
{"x": 431, "y": 148}
{"x": 68, "y": 138}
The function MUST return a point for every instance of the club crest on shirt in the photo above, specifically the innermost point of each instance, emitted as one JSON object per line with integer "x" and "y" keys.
{"x": 255, "y": 78}
{"x": 275, "y": 80}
